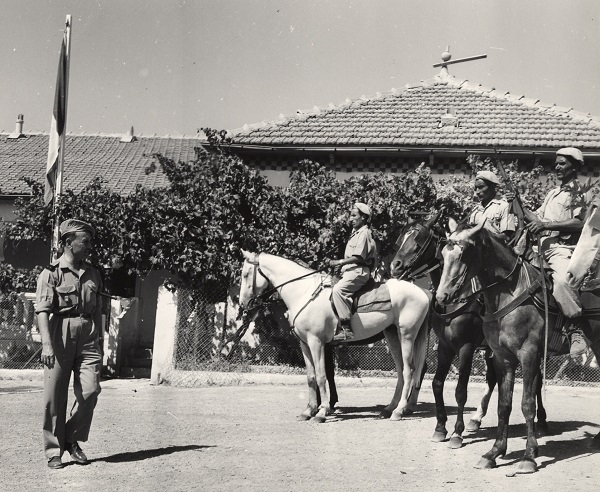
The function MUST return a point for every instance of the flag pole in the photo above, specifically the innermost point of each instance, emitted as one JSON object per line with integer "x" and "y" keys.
{"x": 61, "y": 150}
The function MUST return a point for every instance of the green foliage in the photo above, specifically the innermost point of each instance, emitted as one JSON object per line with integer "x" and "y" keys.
{"x": 215, "y": 205}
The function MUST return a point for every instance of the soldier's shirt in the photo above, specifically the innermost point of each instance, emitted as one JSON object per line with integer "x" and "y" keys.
{"x": 497, "y": 213}
{"x": 562, "y": 203}
{"x": 361, "y": 244}
{"x": 61, "y": 290}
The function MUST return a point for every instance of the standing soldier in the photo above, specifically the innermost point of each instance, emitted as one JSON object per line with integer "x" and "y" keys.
{"x": 69, "y": 314}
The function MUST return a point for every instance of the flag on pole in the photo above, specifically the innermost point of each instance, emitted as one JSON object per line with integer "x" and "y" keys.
{"x": 57, "y": 126}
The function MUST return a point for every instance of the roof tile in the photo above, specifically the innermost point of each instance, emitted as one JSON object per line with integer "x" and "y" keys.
{"x": 412, "y": 116}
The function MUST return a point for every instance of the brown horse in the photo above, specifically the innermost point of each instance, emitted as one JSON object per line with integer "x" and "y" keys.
{"x": 459, "y": 332}
{"x": 514, "y": 329}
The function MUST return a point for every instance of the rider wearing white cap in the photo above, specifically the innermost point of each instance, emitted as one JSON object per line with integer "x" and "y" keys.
{"x": 559, "y": 221}
{"x": 359, "y": 259}
{"x": 495, "y": 210}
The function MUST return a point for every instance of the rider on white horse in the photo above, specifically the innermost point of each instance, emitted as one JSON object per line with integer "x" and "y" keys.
{"x": 359, "y": 259}
{"x": 560, "y": 220}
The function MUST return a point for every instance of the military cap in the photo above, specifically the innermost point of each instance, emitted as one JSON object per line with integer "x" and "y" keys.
{"x": 74, "y": 225}
{"x": 488, "y": 176}
{"x": 571, "y": 152}
{"x": 363, "y": 208}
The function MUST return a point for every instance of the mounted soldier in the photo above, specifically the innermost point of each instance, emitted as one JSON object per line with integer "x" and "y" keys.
{"x": 495, "y": 210}
{"x": 359, "y": 260}
{"x": 559, "y": 221}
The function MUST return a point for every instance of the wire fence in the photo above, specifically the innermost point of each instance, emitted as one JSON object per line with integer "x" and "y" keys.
{"x": 211, "y": 345}
{"x": 208, "y": 347}
{"x": 20, "y": 343}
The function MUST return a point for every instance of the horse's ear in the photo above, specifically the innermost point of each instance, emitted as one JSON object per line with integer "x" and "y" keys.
{"x": 452, "y": 225}
{"x": 434, "y": 218}
{"x": 246, "y": 254}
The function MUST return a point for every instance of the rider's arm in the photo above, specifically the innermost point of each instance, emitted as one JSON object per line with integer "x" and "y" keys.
{"x": 345, "y": 261}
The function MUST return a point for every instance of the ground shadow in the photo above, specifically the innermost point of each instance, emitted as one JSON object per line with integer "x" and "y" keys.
{"x": 520, "y": 430}
{"x": 145, "y": 454}
{"x": 555, "y": 449}
{"x": 372, "y": 412}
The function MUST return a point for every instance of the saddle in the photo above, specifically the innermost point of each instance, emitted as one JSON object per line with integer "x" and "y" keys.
{"x": 557, "y": 341}
{"x": 373, "y": 296}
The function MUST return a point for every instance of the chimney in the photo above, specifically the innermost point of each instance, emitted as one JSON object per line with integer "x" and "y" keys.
{"x": 128, "y": 137}
{"x": 18, "y": 133}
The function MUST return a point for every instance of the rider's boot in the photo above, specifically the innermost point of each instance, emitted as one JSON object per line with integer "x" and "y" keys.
{"x": 576, "y": 339}
{"x": 343, "y": 332}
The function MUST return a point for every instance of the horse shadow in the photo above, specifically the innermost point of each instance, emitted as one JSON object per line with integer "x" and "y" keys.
{"x": 520, "y": 430}
{"x": 371, "y": 412}
{"x": 554, "y": 450}
{"x": 146, "y": 454}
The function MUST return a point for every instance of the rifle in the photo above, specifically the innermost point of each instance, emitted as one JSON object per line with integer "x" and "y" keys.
{"x": 517, "y": 204}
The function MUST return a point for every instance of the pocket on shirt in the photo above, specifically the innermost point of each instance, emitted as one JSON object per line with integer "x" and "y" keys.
{"x": 67, "y": 296}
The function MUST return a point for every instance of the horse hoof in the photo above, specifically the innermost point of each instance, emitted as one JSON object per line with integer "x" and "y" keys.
{"x": 485, "y": 464}
{"x": 385, "y": 414}
{"x": 527, "y": 466}
{"x": 319, "y": 420}
{"x": 455, "y": 442}
{"x": 595, "y": 444}
{"x": 542, "y": 429}
{"x": 302, "y": 418}
{"x": 439, "y": 436}
{"x": 473, "y": 425}
{"x": 396, "y": 416}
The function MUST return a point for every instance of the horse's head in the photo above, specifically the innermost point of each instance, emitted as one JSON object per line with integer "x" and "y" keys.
{"x": 254, "y": 281}
{"x": 462, "y": 260}
{"x": 416, "y": 247}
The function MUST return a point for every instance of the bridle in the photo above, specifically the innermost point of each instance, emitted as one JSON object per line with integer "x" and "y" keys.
{"x": 256, "y": 271}
{"x": 411, "y": 271}
{"x": 461, "y": 280}
{"x": 254, "y": 299}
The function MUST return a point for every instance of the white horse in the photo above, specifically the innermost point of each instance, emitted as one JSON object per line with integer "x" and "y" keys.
{"x": 314, "y": 322}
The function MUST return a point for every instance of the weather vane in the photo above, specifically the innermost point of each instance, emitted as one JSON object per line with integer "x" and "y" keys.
{"x": 446, "y": 59}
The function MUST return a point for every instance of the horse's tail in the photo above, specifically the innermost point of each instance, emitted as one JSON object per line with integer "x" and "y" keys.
{"x": 420, "y": 349}
{"x": 420, "y": 356}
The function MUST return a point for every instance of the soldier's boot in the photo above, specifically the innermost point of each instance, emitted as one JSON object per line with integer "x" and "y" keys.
{"x": 343, "y": 332}
{"x": 576, "y": 340}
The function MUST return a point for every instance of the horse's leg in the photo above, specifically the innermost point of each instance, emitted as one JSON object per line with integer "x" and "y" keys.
{"x": 491, "y": 380}
{"x": 505, "y": 372}
{"x": 595, "y": 443}
{"x": 465, "y": 362}
{"x": 393, "y": 341}
{"x": 312, "y": 407}
{"x": 542, "y": 425}
{"x": 330, "y": 373}
{"x": 317, "y": 350}
{"x": 408, "y": 374}
{"x": 445, "y": 354}
{"x": 530, "y": 364}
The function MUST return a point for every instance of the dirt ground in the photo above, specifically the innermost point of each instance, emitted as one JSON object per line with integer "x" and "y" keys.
{"x": 246, "y": 438}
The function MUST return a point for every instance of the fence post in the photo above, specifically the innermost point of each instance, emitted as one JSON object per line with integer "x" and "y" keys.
{"x": 165, "y": 333}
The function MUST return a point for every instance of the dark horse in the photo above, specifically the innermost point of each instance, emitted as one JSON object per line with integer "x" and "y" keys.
{"x": 458, "y": 333}
{"x": 514, "y": 327}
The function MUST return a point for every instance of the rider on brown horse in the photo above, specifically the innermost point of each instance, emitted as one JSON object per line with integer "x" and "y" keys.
{"x": 559, "y": 221}
{"x": 495, "y": 210}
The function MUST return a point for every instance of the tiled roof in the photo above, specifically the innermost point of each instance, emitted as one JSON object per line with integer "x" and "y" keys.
{"x": 441, "y": 112}
{"x": 122, "y": 165}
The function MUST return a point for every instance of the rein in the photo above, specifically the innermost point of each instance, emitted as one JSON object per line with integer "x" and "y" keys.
{"x": 518, "y": 262}
{"x": 270, "y": 291}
